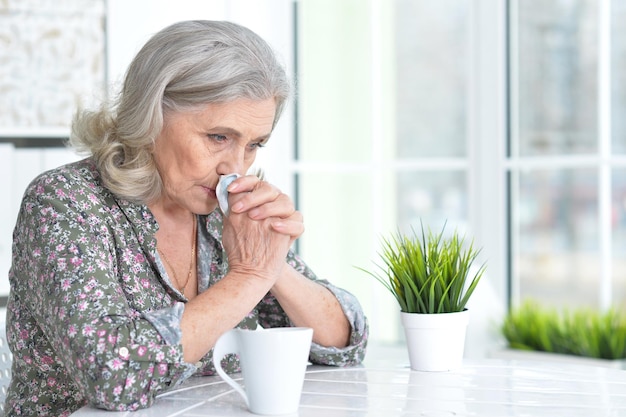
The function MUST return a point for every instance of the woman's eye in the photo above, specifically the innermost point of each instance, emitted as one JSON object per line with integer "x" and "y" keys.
{"x": 217, "y": 138}
{"x": 257, "y": 145}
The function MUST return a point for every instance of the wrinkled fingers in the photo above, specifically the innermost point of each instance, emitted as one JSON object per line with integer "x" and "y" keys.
{"x": 265, "y": 199}
{"x": 291, "y": 227}
{"x": 281, "y": 207}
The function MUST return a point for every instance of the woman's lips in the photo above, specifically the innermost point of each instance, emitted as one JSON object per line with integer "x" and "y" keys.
{"x": 210, "y": 192}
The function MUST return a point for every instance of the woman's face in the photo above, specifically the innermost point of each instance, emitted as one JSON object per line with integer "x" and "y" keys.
{"x": 195, "y": 148}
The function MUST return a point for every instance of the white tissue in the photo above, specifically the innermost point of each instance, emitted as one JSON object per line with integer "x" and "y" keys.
{"x": 222, "y": 193}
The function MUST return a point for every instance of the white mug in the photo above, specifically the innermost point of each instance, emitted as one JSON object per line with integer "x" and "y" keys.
{"x": 273, "y": 363}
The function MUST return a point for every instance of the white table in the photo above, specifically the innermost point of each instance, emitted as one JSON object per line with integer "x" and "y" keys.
{"x": 480, "y": 388}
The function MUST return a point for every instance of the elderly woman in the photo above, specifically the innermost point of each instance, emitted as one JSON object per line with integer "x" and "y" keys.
{"x": 125, "y": 272}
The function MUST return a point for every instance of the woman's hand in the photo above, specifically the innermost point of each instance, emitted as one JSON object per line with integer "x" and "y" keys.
{"x": 262, "y": 211}
{"x": 258, "y": 231}
{"x": 260, "y": 228}
{"x": 265, "y": 201}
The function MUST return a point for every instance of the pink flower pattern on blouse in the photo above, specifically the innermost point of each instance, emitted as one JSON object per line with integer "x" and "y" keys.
{"x": 92, "y": 316}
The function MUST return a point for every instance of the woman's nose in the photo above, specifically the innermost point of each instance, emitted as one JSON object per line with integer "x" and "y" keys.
{"x": 234, "y": 162}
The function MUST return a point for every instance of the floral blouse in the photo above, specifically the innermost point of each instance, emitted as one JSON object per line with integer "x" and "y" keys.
{"x": 92, "y": 316}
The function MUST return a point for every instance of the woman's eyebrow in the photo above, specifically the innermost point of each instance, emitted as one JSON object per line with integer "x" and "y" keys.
{"x": 237, "y": 134}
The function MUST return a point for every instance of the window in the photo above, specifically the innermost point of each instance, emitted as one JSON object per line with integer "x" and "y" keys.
{"x": 565, "y": 154}
{"x": 499, "y": 118}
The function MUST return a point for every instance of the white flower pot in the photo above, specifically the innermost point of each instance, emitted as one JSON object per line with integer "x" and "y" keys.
{"x": 435, "y": 341}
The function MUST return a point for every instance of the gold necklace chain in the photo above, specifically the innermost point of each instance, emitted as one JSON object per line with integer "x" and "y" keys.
{"x": 191, "y": 261}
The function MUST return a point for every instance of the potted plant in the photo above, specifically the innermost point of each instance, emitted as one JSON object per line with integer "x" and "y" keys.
{"x": 580, "y": 334}
{"x": 430, "y": 276}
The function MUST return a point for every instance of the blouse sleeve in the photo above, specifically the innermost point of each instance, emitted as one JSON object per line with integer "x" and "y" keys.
{"x": 68, "y": 271}
{"x": 272, "y": 315}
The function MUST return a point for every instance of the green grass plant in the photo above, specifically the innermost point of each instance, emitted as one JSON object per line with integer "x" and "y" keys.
{"x": 428, "y": 273}
{"x": 581, "y": 331}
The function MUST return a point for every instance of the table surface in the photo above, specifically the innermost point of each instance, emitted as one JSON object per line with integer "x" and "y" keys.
{"x": 388, "y": 388}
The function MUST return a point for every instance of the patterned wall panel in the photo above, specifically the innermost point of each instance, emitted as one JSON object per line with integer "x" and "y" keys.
{"x": 52, "y": 59}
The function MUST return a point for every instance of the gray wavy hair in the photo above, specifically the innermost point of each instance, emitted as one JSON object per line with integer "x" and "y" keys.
{"x": 183, "y": 67}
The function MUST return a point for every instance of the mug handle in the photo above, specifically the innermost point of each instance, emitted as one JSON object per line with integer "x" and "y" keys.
{"x": 227, "y": 343}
